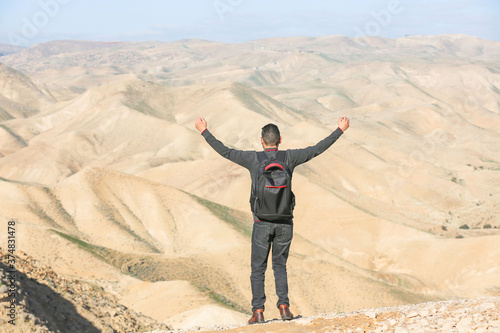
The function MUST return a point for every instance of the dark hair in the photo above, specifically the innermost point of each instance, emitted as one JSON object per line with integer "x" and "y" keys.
{"x": 271, "y": 135}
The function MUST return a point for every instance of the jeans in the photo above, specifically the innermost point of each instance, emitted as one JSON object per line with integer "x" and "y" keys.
{"x": 265, "y": 234}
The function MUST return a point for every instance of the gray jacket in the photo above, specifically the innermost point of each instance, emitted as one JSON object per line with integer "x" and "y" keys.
{"x": 248, "y": 158}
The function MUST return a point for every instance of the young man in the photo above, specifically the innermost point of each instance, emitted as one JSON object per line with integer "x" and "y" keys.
{"x": 265, "y": 234}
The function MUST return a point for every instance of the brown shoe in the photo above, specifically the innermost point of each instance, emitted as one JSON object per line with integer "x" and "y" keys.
{"x": 257, "y": 317}
{"x": 285, "y": 312}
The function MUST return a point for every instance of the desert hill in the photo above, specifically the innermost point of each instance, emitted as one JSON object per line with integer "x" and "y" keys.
{"x": 6, "y": 49}
{"x": 21, "y": 97}
{"x": 110, "y": 183}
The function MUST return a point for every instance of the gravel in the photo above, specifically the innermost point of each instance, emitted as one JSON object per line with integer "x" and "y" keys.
{"x": 464, "y": 315}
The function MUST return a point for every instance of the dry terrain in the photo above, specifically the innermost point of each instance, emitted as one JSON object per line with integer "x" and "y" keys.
{"x": 110, "y": 185}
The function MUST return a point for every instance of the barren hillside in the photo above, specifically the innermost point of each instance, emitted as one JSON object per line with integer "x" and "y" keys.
{"x": 109, "y": 182}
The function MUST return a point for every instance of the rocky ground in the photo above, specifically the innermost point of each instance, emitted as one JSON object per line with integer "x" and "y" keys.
{"x": 470, "y": 315}
{"x": 48, "y": 302}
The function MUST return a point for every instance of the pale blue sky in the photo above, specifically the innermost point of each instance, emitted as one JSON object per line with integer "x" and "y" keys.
{"x": 28, "y": 22}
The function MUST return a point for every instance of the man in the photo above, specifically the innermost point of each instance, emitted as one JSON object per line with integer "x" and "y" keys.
{"x": 265, "y": 234}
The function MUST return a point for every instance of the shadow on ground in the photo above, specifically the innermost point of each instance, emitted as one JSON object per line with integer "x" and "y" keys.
{"x": 51, "y": 309}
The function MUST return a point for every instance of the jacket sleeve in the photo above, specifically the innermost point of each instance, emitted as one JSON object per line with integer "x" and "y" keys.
{"x": 241, "y": 157}
{"x": 298, "y": 156}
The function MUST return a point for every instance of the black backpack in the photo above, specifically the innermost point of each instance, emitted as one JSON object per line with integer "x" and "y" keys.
{"x": 273, "y": 199}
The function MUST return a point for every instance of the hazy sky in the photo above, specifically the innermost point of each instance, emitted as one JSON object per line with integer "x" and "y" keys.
{"x": 26, "y": 22}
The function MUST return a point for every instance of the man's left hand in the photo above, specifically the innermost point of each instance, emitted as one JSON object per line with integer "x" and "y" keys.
{"x": 201, "y": 124}
{"x": 343, "y": 123}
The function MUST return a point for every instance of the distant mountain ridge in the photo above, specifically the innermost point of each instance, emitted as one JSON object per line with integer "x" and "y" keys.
{"x": 67, "y": 53}
{"x": 6, "y": 49}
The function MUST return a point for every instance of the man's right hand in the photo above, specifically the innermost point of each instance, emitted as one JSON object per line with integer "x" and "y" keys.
{"x": 201, "y": 124}
{"x": 343, "y": 123}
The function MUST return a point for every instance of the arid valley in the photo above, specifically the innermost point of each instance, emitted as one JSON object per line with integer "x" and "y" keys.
{"x": 111, "y": 186}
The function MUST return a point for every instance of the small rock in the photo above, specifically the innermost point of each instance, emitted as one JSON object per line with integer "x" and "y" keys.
{"x": 464, "y": 325}
{"x": 478, "y": 317}
{"x": 416, "y": 328}
{"x": 423, "y": 313}
{"x": 447, "y": 326}
{"x": 424, "y": 322}
{"x": 481, "y": 329}
{"x": 412, "y": 314}
{"x": 371, "y": 314}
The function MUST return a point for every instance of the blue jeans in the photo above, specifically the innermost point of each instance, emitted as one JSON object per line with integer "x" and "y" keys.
{"x": 264, "y": 236}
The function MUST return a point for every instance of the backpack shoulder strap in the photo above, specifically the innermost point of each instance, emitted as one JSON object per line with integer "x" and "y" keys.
{"x": 261, "y": 156}
{"x": 280, "y": 156}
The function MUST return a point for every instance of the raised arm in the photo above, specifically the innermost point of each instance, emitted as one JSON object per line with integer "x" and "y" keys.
{"x": 241, "y": 157}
